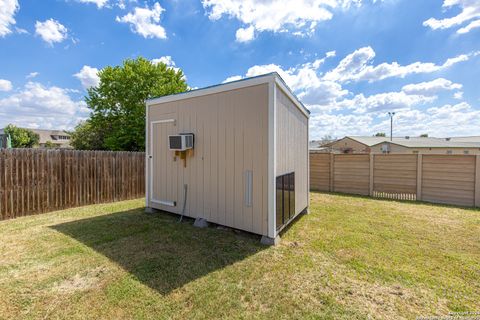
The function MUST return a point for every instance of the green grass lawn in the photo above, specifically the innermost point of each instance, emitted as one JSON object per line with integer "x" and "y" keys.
{"x": 351, "y": 258}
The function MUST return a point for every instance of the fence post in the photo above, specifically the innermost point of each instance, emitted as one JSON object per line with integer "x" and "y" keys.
{"x": 332, "y": 160}
{"x": 371, "y": 174}
{"x": 419, "y": 176}
{"x": 477, "y": 181}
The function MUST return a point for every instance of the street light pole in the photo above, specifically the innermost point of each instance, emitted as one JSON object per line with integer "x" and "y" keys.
{"x": 391, "y": 114}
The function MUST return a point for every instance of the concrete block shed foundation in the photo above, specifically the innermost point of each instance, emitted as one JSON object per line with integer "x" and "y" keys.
{"x": 249, "y": 166}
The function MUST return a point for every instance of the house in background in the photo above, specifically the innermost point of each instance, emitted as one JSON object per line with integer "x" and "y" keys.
{"x": 57, "y": 138}
{"x": 405, "y": 145}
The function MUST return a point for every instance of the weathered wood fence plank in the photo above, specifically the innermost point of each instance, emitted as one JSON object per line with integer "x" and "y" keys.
{"x": 34, "y": 181}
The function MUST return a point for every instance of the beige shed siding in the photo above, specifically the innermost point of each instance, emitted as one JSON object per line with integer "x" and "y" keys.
{"x": 395, "y": 174}
{"x": 230, "y": 138}
{"x": 449, "y": 179}
{"x": 292, "y": 146}
{"x": 352, "y": 173}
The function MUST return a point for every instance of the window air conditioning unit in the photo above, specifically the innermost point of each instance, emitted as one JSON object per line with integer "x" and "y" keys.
{"x": 180, "y": 142}
{"x": 385, "y": 148}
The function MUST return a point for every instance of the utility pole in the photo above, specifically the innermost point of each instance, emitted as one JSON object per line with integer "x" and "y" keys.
{"x": 391, "y": 114}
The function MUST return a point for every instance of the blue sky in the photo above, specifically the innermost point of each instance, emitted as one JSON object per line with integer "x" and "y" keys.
{"x": 349, "y": 61}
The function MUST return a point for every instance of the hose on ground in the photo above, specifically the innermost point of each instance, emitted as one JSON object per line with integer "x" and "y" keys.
{"x": 184, "y": 202}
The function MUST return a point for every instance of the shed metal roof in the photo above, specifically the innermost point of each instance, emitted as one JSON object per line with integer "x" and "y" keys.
{"x": 230, "y": 86}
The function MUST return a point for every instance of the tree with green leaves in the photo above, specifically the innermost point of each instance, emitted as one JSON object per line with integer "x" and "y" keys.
{"x": 87, "y": 137}
{"x": 117, "y": 120}
{"x": 50, "y": 145}
{"x": 424, "y": 135}
{"x": 380, "y": 134}
{"x": 21, "y": 138}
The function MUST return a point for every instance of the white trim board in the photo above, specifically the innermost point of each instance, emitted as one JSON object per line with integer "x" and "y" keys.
{"x": 271, "y": 186}
{"x": 147, "y": 161}
{"x": 150, "y": 158}
{"x": 281, "y": 84}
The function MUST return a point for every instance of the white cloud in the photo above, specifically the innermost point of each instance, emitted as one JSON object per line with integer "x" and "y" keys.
{"x": 458, "y": 95}
{"x": 331, "y": 54}
{"x": 357, "y": 66}
{"x": 299, "y": 78}
{"x": 37, "y": 105}
{"x": 8, "y": 8}
{"x": 469, "y": 27}
{"x": 21, "y": 31}
{"x": 304, "y": 80}
{"x": 351, "y": 65}
{"x": 51, "y": 31}
{"x": 245, "y": 34}
{"x": 166, "y": 60}
{"x": 338, "y": 112}
{"x": 121, "y": 4}
{"x": 431, "y": 87}
{"x": 383, "y": 102}
{"x": 447, "y": 120}
{"x": 339, "y": 125}
{"x": 458, "y": 119}
{"x": 5, "y": 85}
{"x": 232, "y": 78}
{"x": 99, "y": 3}
{"x": 470, "y": 13}
{"x": 145, "y": 21}
{"x": 88, "y": 76}
{"x": 323, "y": 93}
{"x": 32, "y": 75}
{"x": 299, "y": 17}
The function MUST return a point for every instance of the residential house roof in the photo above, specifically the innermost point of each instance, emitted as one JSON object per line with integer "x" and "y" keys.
{"x": 421, "y": 142}
{"x": 49, "y": 135}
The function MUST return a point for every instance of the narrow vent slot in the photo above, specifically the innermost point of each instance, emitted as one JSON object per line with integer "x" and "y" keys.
{"x": 248, "y": 187}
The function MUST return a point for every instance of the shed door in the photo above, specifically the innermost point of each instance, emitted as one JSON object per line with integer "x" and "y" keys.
{"x": 163, "y": 183}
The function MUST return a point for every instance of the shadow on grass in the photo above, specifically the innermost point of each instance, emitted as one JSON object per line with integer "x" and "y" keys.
{"x": 158, "y": 250}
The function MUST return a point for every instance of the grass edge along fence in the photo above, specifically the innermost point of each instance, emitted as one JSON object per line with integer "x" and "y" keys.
{"x": 445, "y": 179}
{"x": 34, "y": 181}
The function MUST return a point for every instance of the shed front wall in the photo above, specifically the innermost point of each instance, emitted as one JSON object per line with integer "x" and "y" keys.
{"x": 231, "y": 138}
{"x": 292, "y": 146}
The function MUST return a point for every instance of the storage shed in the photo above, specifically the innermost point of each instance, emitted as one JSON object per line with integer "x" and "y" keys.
{"x": 234, "y": 154}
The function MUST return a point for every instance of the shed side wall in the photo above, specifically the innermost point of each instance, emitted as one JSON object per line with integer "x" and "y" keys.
{"x": 292, "y": 146}
{"x": 231, "y": 138}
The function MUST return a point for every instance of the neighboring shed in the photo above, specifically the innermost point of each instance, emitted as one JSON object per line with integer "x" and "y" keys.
{"x": 248, "y": 168}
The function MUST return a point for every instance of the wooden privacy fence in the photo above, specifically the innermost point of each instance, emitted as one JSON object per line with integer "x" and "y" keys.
{"x": 36, "y": 181}
{"x": 448, "y": 179}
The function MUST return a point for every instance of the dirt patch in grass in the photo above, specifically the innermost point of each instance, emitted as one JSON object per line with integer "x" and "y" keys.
{"x": 80, "y": 282}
